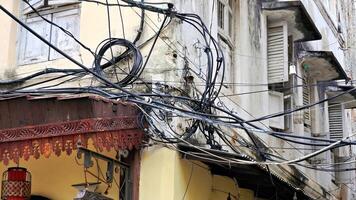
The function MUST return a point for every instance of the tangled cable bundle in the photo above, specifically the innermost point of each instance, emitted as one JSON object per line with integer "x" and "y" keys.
{"x": 203, "y": 113}
{"x": 131, "y": 50}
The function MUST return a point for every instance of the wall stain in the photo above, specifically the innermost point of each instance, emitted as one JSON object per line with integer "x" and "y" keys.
{"x": 254, "y": 21}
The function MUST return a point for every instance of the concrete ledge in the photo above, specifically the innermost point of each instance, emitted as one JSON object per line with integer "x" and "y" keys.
{"x": 294, "y": 12}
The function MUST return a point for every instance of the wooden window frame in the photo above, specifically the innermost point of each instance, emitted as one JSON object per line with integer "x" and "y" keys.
{"x": 278, "y": 97}
{"x": 285, "y": 76}
{"x": 226, "y": 34}
{"x": 49, "y": 12}
{"x": 24, "y": 34}
{"x": 226, "y": 31}
{"x": 74, "y": 50}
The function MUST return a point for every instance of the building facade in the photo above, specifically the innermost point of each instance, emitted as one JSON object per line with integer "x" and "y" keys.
{"x": 288, "y": 76}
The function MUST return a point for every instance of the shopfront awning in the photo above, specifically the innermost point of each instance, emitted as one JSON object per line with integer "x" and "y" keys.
{"x": 46, "y": 125}
{"x": 294, "y": 13}
{"x": 322, "y": 65}
{"x": 266, "y": 183}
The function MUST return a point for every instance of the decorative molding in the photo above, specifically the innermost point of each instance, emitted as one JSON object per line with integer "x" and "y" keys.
{"x": 68, "y": 128}
{"x": 106, "y": 133}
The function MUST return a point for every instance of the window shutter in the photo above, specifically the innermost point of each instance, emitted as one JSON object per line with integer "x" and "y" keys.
{"x": 61, "y": 2}
{"x": 33, "y": 49}
{"x": 276, "y": 104}
{"x": 287, "y": 106}
{"x": 306, "y": 100}
{"x": 34, "y": 3}
{"x": 69, "y": 20}
{"x": 335, "y": 121}
{"x": 221, "y": 15}
{"x": 228, "y": 61}
{"x": 277, "y": 53}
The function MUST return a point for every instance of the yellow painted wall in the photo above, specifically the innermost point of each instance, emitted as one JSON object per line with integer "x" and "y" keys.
{"x": 166, "y": 176}
{"x": 246, "y": 194}
{"x": 156, "y": 175}
{"x": 222, "y": 186}
{"x": 192, "y": 179}
{"x": 52, "y": 177}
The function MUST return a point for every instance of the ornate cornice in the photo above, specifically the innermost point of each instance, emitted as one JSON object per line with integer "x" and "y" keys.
{"x": 68, "y": 128}
{"x": 106, "y": 133}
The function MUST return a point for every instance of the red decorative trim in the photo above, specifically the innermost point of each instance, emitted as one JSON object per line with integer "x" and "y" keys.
{"x": 68, "y": 128}
{"x": 117, "y": 133}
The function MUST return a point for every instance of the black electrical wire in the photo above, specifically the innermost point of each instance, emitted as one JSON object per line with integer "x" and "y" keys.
{"x": 40, "y": 73}
{"x": 110, "y": 37}
{"x": 131, "y": 50}
{"x": 280, "y": 135}
{"x": 138, "y": 65}
{"x": 137, "y": 55}
{"x": 209, "y": 92}
{"x": 142, "y": 23}
{"x": 106, "y": 81}
{"x": 276, "y": 134}
{"x": 204, "y": 31}
{"x": 300, "y": 108}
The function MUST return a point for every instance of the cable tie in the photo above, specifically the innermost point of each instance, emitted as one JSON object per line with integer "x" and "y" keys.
{"x": 148, "y": 99}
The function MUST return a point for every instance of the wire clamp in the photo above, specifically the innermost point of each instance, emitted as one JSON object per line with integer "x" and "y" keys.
{"x": 148, "y": 99}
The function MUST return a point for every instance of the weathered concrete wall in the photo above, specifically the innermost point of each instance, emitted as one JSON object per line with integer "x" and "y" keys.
{"x": 8, "y": 39}
{"x": 180, "y": 43}
{"x": 330, "y": 40}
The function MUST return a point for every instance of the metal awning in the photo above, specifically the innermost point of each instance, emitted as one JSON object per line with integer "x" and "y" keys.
{"x": 300, "y": 24}
{"x": 322, "y": 65}
{"x": 255, "y": 177}
{"x": 45, "y": 125}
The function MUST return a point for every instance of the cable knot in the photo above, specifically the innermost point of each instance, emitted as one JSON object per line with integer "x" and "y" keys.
{"x": 207, "y": 49}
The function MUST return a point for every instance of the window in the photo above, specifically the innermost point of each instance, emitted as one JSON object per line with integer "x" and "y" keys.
{"x": 227, "y": 51}
{"x": 306, "y": 101}
{"x": 38, "y": 4}
{"x": 276, "y": 105}
{"x": 336, "y": 121}
{"x": 287, "y": 106}
{"x": 221, "y": 15}
{"x": 277, "y": 74}
{"x": 225, "y": 20}
{"x": 277, "y": 52}
{"x": 33, "y": 50}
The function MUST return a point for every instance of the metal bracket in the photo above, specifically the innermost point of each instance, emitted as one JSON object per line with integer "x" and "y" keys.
{"x": 111, "y": 162}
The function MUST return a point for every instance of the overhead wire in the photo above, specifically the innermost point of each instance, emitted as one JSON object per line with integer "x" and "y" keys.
{"x": 209, "y": 86}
